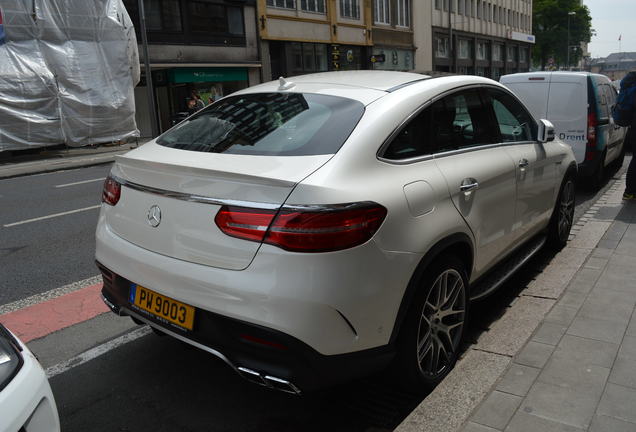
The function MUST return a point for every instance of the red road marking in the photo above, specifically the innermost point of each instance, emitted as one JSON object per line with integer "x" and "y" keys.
{"x": 41, "y": 319}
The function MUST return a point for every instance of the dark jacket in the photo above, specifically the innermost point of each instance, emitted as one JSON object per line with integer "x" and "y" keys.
{"x": 629, "y": 81}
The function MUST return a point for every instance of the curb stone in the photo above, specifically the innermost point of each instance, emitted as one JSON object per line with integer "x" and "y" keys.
{"x": 468, "y": 386}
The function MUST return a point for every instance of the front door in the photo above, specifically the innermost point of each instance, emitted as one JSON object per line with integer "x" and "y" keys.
{"x": 535, "y": 163}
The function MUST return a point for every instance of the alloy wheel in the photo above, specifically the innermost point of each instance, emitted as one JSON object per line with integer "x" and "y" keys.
{"x": 566, "y": 209}
{"x": 441, "y": 323}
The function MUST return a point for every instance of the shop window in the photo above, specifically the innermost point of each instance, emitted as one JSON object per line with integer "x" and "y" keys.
{"x": 441, "y": 47}
{"x": 350, "y": 9}
{"x": 215, "y": 18}
{"x": 523, "y": 55}
{"x": 306, "y": 58}
{"x": 317, "y": 6}
{"x": 404, "y": 13}
{"x": 382, "y": 11}
{"x": 286, "y": 4}
{"x": 464, "y": 51}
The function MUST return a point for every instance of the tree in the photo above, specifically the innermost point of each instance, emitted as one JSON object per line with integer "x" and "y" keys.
{"x": 550, "y": 26}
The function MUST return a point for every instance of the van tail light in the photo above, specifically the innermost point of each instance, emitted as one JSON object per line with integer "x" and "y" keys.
{"x": 590, "y": 151}
{"x": 325, "y": 229}
{"x": 111, "y": 191}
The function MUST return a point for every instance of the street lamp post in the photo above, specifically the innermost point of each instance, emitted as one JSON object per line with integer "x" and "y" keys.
{"x": 571, "y": 13}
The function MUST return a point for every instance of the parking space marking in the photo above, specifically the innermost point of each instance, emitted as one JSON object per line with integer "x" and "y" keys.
{"x": 80, "y": 182}
{"x": 97, "y": 351}
{"x": 52, "y": 216}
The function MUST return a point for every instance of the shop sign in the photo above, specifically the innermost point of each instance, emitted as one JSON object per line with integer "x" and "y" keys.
{"x": 378, "y": 58}
{"x": 521, "y": 37}
{"x": 190, "y": 75}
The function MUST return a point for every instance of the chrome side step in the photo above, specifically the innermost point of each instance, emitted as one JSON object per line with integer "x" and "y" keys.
{"x": 503, "y": 271}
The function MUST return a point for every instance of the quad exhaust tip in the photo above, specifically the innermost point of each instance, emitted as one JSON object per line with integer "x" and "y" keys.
{"x": 268, "y": 381}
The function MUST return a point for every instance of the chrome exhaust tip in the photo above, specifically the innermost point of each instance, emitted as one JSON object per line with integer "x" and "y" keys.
{"x": 268, "y": 381}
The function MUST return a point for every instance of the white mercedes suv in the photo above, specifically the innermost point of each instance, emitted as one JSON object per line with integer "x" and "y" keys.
{"x": 312, "y": 230}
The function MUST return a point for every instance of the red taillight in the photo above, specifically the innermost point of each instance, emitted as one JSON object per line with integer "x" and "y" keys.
{"x": 325, "y": 230}
{"x": 111, "y": 191}
{"x": 591, "y": 137}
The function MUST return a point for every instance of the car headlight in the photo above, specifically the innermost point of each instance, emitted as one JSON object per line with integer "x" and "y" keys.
{"x": 10, "y": 358}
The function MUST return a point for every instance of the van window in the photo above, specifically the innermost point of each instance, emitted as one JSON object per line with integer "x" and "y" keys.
{"x": 460, "y": 121}
{"x": 269, "y": 124}
{"x": 515, "y": 123}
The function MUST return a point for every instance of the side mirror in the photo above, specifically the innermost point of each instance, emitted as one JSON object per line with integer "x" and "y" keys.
{"x": 546, "y": 131}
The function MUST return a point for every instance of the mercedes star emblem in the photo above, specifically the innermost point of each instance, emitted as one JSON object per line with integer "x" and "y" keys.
{"x": 154, "y": 216}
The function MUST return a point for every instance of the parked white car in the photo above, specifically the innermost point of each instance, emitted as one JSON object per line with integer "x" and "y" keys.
{"x": 26, "y": 400}
{"x": 316, "y": 229}
{"x": 579, "y": 104}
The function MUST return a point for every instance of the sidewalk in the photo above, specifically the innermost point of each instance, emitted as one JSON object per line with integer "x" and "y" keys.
{"x": 577, "y": 370}
{"x": 18, "y": 163}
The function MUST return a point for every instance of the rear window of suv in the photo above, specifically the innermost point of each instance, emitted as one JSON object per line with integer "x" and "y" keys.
{"x": 271, "y": 124}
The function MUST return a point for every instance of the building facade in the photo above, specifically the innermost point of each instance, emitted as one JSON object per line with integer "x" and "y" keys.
{"x": 475, "y": 37}
{"x": 615, "y": 65}
{"x": 208, "y": 47}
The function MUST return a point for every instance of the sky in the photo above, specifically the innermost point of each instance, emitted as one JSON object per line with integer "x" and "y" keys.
{"x": 611, "y": 19}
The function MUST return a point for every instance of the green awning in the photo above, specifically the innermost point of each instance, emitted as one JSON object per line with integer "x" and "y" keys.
{"x": 206, "y": 74}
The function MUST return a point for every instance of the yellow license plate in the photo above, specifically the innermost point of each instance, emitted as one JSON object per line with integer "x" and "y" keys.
{"x": 165, "y": 308}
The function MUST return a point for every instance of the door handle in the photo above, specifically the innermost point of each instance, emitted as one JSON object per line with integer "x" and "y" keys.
{"x": 468, "y": 184}
{"x": 523, "y": 163}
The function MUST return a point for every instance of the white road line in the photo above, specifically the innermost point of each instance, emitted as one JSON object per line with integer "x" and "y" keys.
{"x": 49, "y": 295}
{"x": 99, "y": 350}
{"x": 52, "y": 216}
{"x": 81, "y": 182}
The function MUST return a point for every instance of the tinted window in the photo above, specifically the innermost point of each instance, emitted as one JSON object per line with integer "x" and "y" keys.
{"x": 413, "y": 140}
{"x": 601, "y": 101}
{"x": 460, "y": 121}
{"x": 274, "y": 124}
{"x": 515, "y": 124}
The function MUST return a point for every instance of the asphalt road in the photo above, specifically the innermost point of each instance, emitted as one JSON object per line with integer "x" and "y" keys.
{"x": 45, "y": 254}
{"x": 160, "y": 384}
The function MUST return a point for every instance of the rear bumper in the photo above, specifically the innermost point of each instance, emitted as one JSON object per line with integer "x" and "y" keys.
{"x": 260, "y": 354}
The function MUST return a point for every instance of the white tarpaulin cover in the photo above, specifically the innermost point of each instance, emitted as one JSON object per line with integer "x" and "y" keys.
{"x": 68, "y": 69}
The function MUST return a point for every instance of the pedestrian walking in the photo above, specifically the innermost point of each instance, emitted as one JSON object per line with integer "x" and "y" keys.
{"x": 624, "y": 114}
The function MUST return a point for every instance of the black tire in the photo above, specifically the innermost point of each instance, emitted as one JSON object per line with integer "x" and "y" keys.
{"x": 433, "y": 329}
{"x": 595, "y": 182}
{"x": 562, "y": 215}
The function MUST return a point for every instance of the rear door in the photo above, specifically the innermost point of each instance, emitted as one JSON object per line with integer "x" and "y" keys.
{"x": 615, "y": 132}
{"x": 480, "y": 175}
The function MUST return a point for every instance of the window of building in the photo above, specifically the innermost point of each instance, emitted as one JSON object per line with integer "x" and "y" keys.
{"x": 461, "y": 7}
{"x": 523, "y": 55}
{"x": 464, "y": 49}
{"x": 453, "y": 5}
{"x": 162, "y": 15}
{"x": 441, "y": 47}
{"x": 512, "y": 54}
{"x": 350, "y": 9}
{"x": 438, "y": 4}
{"x": 317, "y": 6}
{"x": 479, "y": 9}
{"x": 206, "y": 17}
{"x": 446, "y": 4}
{"x": 306, "y": 58}
{"x": 287, "y": 4}
{"x": 471, "y": 8}
{"x": 481, "y": 52}
{"x": 497, "y": 52}
{"x": 404, "y": 13}
{"x": 488, "y": 11}
{"x": 382, "y": 11}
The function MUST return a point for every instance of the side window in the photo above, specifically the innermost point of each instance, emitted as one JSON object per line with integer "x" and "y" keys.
{"x": 413, "y": 140}
{"x": 460, "y": 121}
{"x": 515, "y": 123}
{"x": 602, "y": 102}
